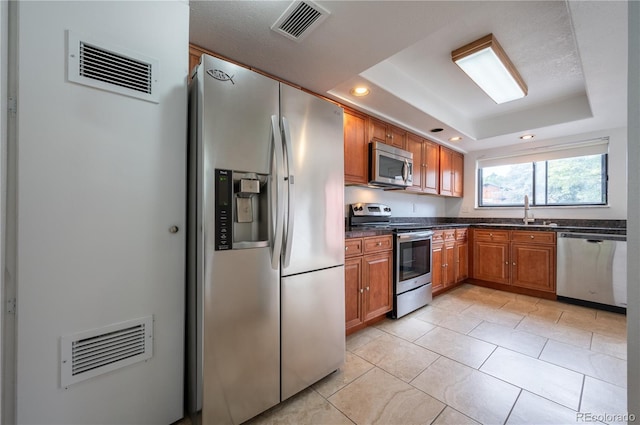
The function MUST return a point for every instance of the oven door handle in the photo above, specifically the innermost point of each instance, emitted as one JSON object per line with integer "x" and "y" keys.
{"x": 415, "y": 236}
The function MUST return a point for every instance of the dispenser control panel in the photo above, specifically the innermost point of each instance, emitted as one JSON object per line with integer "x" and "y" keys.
{"x": 224, "y": 213}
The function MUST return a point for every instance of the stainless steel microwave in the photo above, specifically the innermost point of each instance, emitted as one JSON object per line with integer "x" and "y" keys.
{"x": 389, "y": 166}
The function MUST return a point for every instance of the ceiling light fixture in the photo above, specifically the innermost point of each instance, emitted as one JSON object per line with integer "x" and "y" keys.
{"x": 359, "y": 91}
{"x": 455, "y": 139}
{"x": 488, "y": 66}
{"x": 527, "y": 136}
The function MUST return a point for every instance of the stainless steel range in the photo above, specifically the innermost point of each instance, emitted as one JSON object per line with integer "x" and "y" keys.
{"x": 412, "y": 256}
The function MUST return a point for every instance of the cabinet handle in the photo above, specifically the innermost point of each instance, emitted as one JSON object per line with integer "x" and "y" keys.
{"x": 506, "y": 262}
{"x": 514, "y": 264}
{"x": 346, "y": 248}
{"x": 491, "y": 234}
{"x": 532, "y": 236}
{"x": 361, "y": 290}
{"x": 367, "y": 288}
{"x": 379, "y": 243}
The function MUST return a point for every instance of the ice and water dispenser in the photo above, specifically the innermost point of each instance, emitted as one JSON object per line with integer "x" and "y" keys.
{"x": 242, "y": 216}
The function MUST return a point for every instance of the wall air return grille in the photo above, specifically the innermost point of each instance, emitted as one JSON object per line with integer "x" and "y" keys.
{"x": 300, "y": 18}
{"x": 91, "y": 353}
{"x": 110, "y": 68}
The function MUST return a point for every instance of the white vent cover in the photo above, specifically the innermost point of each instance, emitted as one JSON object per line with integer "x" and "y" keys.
{"x": 107, "y": 67}
{"x": 94, "y": 352}
{"x": 300, "y": 18}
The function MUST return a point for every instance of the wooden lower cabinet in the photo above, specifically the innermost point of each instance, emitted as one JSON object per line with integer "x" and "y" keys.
{"x": 352, "y": 283}
{"x": 516, "y": 259}
{"x": 533, "y": 266}
{"x": 449, "y": 259}
{"x": 377, "y": 284}
{"x": 368, "y": 280}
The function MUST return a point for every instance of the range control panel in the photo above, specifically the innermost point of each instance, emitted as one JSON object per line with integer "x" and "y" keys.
{"x": 224, "y": 212}
{"x": 362, "y": 209}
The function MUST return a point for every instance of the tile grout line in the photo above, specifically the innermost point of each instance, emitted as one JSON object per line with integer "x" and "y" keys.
{"x": 514, "y": 406}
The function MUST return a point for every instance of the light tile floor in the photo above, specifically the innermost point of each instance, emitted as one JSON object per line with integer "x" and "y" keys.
{"x": 474, "y": 355}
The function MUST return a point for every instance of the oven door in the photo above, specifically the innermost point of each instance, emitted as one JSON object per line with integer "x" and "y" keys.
{"x": 413, "y": 260}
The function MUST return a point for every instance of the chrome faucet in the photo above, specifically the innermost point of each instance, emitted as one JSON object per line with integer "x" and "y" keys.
{"x": 526, "y": 218}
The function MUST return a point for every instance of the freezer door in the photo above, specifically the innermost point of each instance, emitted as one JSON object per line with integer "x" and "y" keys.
{"x": 241, "y": 336}
{"x": 237, "y": 105}
{"x": 313, "y": 131}
{"x": 313, "y": 340}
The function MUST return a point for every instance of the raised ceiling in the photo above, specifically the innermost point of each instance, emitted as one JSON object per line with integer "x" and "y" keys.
{"x": 572, "y": 55}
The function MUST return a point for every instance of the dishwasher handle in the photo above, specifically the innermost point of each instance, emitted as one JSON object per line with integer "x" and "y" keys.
{"x": 592, "y": 237}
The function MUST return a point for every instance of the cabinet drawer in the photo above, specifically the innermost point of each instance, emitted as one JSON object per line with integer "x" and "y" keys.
{"x": 461, "y": 234}
{"x": 491, "y": 235}
{"x": 536, "y": 237}
{"x": 377, "y": 243}
{"x": 438, "y": 236}
{"x": 352, "y": 247}
{"x": 449, "y": 235}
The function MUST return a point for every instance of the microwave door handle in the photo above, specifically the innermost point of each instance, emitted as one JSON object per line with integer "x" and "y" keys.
{"x": 405, "y": 171}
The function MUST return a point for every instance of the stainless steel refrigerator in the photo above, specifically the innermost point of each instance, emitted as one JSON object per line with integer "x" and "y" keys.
{"x": 266, "y": 242}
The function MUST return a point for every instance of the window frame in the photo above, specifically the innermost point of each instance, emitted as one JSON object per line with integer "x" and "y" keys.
{"x": 532, "y": 201}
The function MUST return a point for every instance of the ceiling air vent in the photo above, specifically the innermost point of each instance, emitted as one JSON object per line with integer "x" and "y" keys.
{"x": 111, "y": 68}
{"x": 91, "y": 353}
{"x": 300, "y": 18}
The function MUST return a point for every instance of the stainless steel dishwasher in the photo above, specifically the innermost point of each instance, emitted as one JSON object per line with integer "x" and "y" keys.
{"x": 592, "y": 268}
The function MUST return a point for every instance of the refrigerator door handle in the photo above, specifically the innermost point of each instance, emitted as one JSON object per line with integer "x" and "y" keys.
{"x": 276, "y": 247}
{"x": 291, "y": 192}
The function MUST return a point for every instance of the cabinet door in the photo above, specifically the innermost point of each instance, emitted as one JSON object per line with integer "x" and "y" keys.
{"x": 491, "y": 261}
{"x": 397, "y": 137}
{"x": 415, "y": 145}
{"x": 449, "y": 255}
{"x": 355, "y": 148}
{"x": 457, "y": 173}
{"x": 431, "y": 169}
{"x": 533, "y": 266}
{"x": 462, "y": 261}
{"x": 446, "y": 170}
{"x": 437, "y": 265}
{"x": 377, "y": 130}
{"x": 352, "y": 291}
{"x": 378, "y": 288}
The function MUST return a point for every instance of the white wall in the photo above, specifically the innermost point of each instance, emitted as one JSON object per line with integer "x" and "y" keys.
{"x": 403, "y": 204}
{"x": 616, "y": 210}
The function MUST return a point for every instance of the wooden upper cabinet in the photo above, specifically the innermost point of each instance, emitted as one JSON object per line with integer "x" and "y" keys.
{"x": 431, "y": 173}
{"x": 377, "y": 130}
{"x": 451, "y": 172}
{"x": 415, "y": 145}
{"x": 426, "y": 164}
{"x": 446, "y": 170}
{"x": 355, "y": 148}
{"x": 381, "y": 131}
{"x": 457, "y": 173}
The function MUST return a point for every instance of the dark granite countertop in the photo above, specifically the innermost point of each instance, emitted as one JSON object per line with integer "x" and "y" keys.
{"x": 610, "y": 227}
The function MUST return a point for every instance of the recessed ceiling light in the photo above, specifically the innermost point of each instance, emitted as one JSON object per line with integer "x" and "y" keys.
{"x": 527, "y": 136}
{"x": 359, "y": 91}
{"x": 455, "y": 139}
{"x": 436, "y": 130}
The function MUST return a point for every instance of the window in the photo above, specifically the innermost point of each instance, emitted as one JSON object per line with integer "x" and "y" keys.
{"x": 576, "y": 176}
